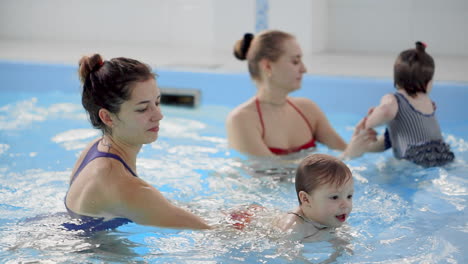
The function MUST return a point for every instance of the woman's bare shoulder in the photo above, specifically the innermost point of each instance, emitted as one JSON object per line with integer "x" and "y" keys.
{"x": 83, "y": 154}
{"x": 243, "y": 112}
{"x": 303, "y": 103}
{"x": 308, "y": 107}
{"x": 111, "y": 175}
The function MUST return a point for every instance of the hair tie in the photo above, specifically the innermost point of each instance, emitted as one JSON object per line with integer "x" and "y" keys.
{"x": 246, "y": 43}
{"x": 421, "y": 45}
{"x": 98, "y": 66}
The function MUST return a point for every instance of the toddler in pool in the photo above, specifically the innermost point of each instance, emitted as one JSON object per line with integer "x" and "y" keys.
{"x": 413, "y": 131}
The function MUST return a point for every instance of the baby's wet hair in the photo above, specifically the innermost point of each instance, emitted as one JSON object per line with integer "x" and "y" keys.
{"x": 320, "y": 169}
{"x": 413, "y": 69}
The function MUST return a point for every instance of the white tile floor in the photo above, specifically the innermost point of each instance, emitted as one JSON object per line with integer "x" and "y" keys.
{"x": 363, "y": 65}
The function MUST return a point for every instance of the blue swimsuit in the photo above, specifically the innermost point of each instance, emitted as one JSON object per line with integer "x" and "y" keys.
{"x": 89, "y": 223}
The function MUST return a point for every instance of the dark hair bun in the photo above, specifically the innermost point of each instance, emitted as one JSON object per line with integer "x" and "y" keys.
{"x": 242, "y": 46}
{"x": 87, "y": 65}
{"x": 421, "y": 46}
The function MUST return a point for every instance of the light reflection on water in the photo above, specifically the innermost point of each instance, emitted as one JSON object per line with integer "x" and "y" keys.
{"x": 402, "y": 213}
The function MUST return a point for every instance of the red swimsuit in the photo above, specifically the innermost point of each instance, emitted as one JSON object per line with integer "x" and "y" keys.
{"x": 279, "y": 151}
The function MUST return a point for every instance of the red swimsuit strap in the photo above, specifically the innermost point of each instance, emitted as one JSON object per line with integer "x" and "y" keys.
{"x": 279, "y": 151}
{"x": 257, "y": 103}
{"x": 300, "y": 113}
{"x": 259, "y": 110}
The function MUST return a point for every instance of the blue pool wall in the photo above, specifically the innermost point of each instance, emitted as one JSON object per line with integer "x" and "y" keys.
{"x": 335, "y": 94}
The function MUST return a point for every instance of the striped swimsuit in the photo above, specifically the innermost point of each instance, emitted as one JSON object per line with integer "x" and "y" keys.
{"x": 416, "y": 136}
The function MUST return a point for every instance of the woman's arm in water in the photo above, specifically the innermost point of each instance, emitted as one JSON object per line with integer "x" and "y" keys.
{"x": 145, "y": 205}
{"x": 324, "y": 132}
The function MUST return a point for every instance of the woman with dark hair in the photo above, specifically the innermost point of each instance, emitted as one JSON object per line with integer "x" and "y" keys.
{"x": 272, "y": 123}
{"x": 122, "y": 100}
{"x": 413, "y": 131}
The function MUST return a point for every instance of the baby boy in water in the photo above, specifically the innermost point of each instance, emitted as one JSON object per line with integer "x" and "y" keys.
{"x": 324, "y": 187}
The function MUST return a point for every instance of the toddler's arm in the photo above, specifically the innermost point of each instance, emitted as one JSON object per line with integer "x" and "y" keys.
{"x": 378, "y": 145}
{"x": 383, "y": 113}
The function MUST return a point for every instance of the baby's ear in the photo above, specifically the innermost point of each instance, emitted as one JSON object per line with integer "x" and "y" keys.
{"x": 304, "y": 197}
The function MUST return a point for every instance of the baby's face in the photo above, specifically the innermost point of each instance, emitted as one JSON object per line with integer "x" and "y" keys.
{"x": 330, "y": 205}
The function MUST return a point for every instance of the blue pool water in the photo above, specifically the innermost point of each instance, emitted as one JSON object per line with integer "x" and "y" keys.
{"x": 402, "y": 213}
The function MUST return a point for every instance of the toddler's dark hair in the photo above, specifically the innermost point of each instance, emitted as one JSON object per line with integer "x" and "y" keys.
{"x": 413, "y": 70}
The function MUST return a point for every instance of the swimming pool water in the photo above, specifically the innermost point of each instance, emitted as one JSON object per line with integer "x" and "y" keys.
{"x": 402, "y": 213}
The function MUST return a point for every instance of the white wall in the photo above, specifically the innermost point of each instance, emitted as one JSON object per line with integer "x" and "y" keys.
{"x": 232, "y": 19}
{"x": 305, "y": 19}
{"x": 163, "y": 22}
{"x": 374, "y": 26}
{"x": 364, "y": 26}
